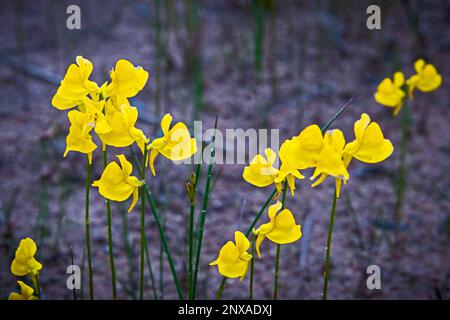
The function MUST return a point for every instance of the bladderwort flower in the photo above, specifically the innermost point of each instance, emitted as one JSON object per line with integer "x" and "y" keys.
{"x": 75, "y": 85}
{"x": 79, "y": 138}
{"x": 116, "y": 182}
{"x": 330, "y": 161}
{"x": 24, "y": 263}
{"x": 426, "y": 78}
{"x": 390, "y": 93}
{"x": 26, "y": 293}
{"x": 261, "y": 172}
{"x": 126, "y": 79}
{"x": 233, "y": 260}
{"x": 122, "y": 120}
{"x": 281, "y": 228}
{"x": 175, "y": 144}
{"x": 369, "y": 146}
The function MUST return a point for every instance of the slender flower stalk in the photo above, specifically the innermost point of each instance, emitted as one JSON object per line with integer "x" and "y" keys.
{"x": 87, "y": 222}
{"x": 252, "y": 268}
{"x": 191, "y": 233}
{"x": 328, "y": 249}
{"x": 150, "y": 270}
{"x": 277, "y": 259}
{"x": 37, "y": 285}
{"x": 401, "y": 179}
{"x": 160, "y": 229}
{"x": 203, "y": 211}
{"x": 110, "y": 241}
{"x": 143, "y": 239}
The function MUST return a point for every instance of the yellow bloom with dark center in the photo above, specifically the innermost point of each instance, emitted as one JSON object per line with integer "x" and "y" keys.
{"x": 75, "y": 85}
{"x": 281, "y": 228}
{"x": 233, "y": 260}
{"x": 127, "y": 80}
{"x": 122, "y": 120}
{"x": 426, "y": 78}
{"x": 331, "y": 160}
{"x": 390, "y": 94}
{"x": 24, "y": 263}
{"x": 175, "y": 144}
{"x": 26, "y": 293}
{"x": 117, "y": 183}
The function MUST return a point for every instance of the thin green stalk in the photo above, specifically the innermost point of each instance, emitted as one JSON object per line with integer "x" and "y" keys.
{"x": 160, "y": 230}
{"x": 110, "y": 241}
{"x": 141, "y": 278}
{"x": 261, "y": 211}
{"x": 252, "y": 267}
{"x": 150, "y": 270}
{"x": 337, "y": 114}
{"x": 37, "y": 285}
{"x": 328, "y": 248}
{"x": 221, "y": 287}
{"x": 401, "y": 179}
{"x": 258, "y": 16}
{"x": 87, "y": 222}
{"x": 191, "y": 234}
{"x": 203, "y": 211}
{"x": 164, "y": 242}
{"x": 277, "y": 259}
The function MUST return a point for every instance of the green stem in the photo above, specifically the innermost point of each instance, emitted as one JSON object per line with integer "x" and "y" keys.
{"x": 87, "y": 222}
{"x": 37, "y": 285}
{"x": 328, "y": 248}
{"x": 191, "y": 235}
{"x": 164, "y": 242}
{"x": 277, "y": 259}
{"x": 221, "y": 287}
{"x": 252, "y": 267}
{"x": 337, "y": 114}
{"x": 203, "y": 212}
{"x": 150, "y": 269}
{"x": 141, "y": 282}
{"x": 110, "y": 241}
{"x": 160, "y": 230}
{"x": 401, "y": 178}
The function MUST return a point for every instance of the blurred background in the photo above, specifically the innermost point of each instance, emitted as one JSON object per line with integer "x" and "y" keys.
{"x": 254, "y": 64}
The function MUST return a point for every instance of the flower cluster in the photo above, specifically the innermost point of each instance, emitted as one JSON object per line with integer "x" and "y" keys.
{"x": 106, "y": 111}
{"x": 328, "y": 154}
{"x": 25, "y": 264}
{"x": 392, "y": 92}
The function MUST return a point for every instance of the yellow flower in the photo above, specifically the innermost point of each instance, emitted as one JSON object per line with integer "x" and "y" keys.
{"x": 94, "y": 115}
{"x": 303, "y": 150}
{"x": 281, "y": 229}
{"x": 175, "y": 144}
{"x": 427, "y": 78}
{"x": 369, "y": 145}
{"x": 123, "y": 132}
{"x": 26, "y": 293}
{"x": 116, "y": 182}
{"x": 390, "y": 94}
{"x": 288, "y": 171}
{"x": 75, "y": 85}
{"x": 330, "y": 161}
{"x": 79, "y": 137}
{"x": 127, "y": 80}
{"x": 261, "y": 172}
{"x": 24, "y": 262}
{"x": 233, "y": 258}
